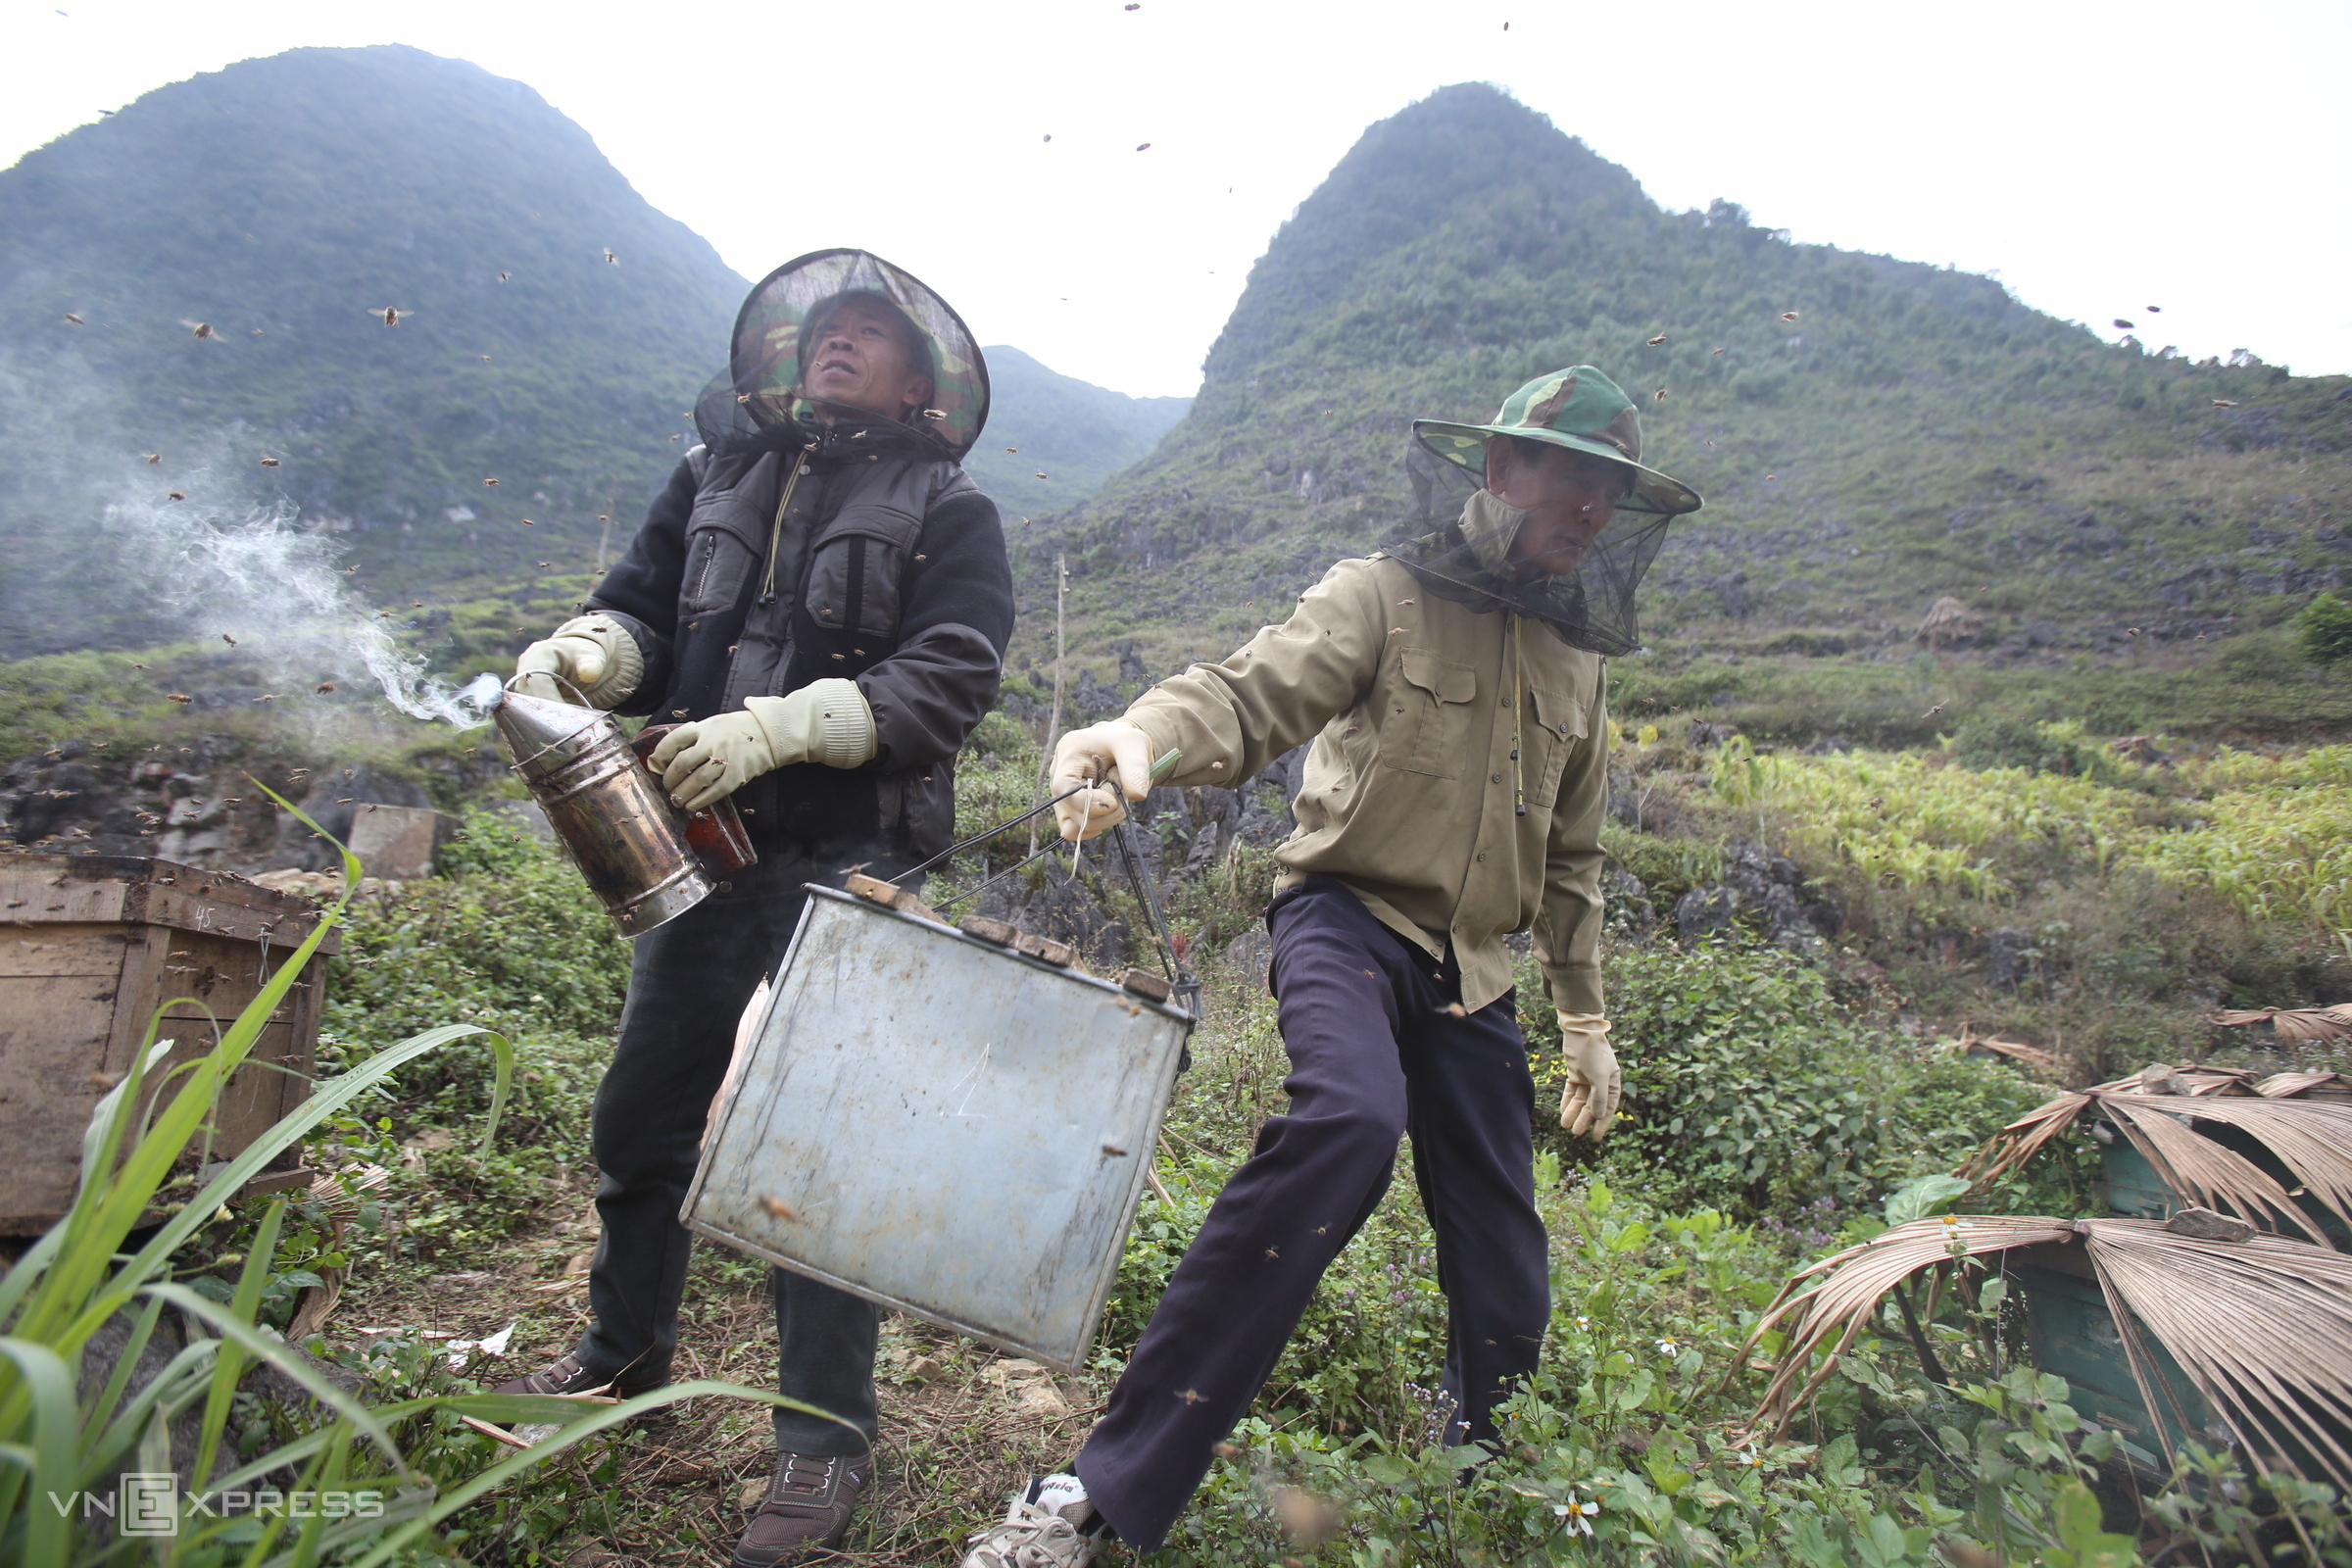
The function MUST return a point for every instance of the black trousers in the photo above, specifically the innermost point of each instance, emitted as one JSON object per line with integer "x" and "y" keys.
{"x": 1374, "y": 1054}
{"x": 689, "y": 982}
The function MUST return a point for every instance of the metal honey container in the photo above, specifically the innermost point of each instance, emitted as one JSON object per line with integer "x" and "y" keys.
{"x": 646, "y": 859}
{"x": 941, "y": 1125}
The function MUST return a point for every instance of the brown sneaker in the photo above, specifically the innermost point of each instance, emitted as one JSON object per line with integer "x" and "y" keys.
{"x": 807, "y": 1509}
{"x": 566, "y": 1375}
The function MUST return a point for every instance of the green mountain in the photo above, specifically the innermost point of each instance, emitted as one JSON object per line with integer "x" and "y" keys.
{"x": 553, "y": 329}
{"x": 1077, "y": 433}
{"x": 285, "y": 204}
{"x": 1870, "y": 434}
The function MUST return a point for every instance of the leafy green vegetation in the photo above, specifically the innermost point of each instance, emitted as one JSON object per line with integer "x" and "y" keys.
{"x": 2325, "y": 628}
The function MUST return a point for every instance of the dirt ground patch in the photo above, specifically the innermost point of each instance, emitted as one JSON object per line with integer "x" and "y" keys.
{"x": 962, "y": 1424}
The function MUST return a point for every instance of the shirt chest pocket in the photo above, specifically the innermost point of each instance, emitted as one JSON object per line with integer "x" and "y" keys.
{"x": 1427, "y": 726}
{"x": 1558, "y": 728}
{"x": 854, "y": 568}
{"x": 724, "y": 543}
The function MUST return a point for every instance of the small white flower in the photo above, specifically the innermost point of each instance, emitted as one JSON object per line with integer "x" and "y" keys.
{"x": 1584, "y": 1322}
{"x": 1667, "y": 1347}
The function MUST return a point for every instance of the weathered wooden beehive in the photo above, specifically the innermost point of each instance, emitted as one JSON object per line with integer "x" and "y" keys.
{"x": 91, "y": 947}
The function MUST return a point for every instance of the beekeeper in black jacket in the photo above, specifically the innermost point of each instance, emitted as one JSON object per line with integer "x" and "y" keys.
{"x": 820, "y": 601}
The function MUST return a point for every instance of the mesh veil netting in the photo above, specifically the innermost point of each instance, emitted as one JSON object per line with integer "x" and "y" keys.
{"x": 761, "y": 388}
{"x": 1590, "y": 607}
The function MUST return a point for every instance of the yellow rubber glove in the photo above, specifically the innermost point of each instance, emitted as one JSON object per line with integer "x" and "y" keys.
{"x": 1092, "y": 755}
{"x": 826, "y": 721}
{"x": 600, "y": 660}
{"x": 1595, "y": 1082}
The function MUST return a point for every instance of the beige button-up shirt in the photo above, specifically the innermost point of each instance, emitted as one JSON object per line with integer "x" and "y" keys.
{"x": 1410, "y": 792}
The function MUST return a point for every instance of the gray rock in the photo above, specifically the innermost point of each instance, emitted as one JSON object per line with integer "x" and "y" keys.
{"x": 1706, "y": 911}
{"x": 2010, "y": 963}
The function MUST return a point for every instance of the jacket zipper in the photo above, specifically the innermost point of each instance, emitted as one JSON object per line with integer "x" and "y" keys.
{"x": 775, "y": 531}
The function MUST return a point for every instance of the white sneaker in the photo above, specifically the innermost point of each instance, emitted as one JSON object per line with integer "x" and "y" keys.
{"x": 1040, "y": 1529}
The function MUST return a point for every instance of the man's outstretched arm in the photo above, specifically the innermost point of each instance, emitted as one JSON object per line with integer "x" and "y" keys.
{"x": 1230, "y": 719}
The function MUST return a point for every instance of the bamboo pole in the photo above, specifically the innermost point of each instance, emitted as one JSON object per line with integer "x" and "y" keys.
{"x": 1045, "y": 767}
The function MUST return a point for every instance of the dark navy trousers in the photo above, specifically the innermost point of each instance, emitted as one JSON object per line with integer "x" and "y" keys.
{"x": 689, "y": 981}
{"x": 1374, "y": 1055}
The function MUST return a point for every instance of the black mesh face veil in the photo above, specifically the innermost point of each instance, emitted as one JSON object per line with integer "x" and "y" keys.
{"x": 1590, "y": 607}
{"x": 761, "y": 387}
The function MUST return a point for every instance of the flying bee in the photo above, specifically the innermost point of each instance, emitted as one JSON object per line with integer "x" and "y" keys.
{"x": 391, "y": 316}
{"x": 175, "y": 495}
{"x": 1658, "y": 340}
{"x": 74, "y": 320}
{"x": 610, "y": 258}
{"x": 227, "y": 638}
{"x": 154, "y": 458}
{"x": 490, "y": 481}
{"x": 324, "y": 687}
{"x": 1788, "y": 315}
{"x": 503, "y": 277}
{"x": 1660, "y": 396}
{"x": 269, "y": 462}
{"x": 199, "y": 328}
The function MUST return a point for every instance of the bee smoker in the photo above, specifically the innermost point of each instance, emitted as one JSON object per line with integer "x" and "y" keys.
{"x": 645, "y": 859}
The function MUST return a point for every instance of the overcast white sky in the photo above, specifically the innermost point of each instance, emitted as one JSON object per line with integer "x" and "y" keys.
{"x": 2100, "y": 158}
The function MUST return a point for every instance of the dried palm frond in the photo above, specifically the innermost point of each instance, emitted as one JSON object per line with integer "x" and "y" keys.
{"x": 1848, "y": 1287}
{"x": 2311, "y": 1137}
{"x": 2158, "y": 1078}
{"x": 2296, "y": 1024}
{"x": 2261, "y": 1327}
{"x": 339, "y": 1189}
{"x": 2022, "y": 1138}
{"x": 2033, "y": 1058}
{"x": 2196, "y": 1170}
{"x": 2306, "y": 1085}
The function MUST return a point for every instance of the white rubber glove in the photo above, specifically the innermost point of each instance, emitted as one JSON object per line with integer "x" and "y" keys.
{"x": 593, "y": 653}
{"x": 826, "y": 721}
{"x": 1595, "y": 1082}
{"x": 1092, "y": 755}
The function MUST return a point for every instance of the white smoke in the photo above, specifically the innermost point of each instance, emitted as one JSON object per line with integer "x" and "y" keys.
{"x": 245, "y": 571}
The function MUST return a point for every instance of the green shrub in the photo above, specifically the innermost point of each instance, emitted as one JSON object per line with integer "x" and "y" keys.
{"x": 1990, "y": 743}
{"x": 2324, "y": 627}
{"x": 1748, "y": 1089}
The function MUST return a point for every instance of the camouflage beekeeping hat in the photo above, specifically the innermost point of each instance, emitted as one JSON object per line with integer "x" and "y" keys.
{"x": 1579, "y": 409}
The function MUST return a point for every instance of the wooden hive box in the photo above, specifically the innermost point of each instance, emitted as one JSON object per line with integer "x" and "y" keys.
{"x": 90, "y": 946}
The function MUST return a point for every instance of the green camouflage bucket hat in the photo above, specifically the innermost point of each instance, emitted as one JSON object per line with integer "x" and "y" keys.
{"x": 1579, "y": 409}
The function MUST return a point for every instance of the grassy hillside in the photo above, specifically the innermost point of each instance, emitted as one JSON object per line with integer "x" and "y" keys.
{"x": 1077, "y": 434}
{"x": 1868, "y": 433}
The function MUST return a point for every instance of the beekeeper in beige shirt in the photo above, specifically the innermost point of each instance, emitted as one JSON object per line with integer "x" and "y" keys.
{"x": 1453, "y": 688}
